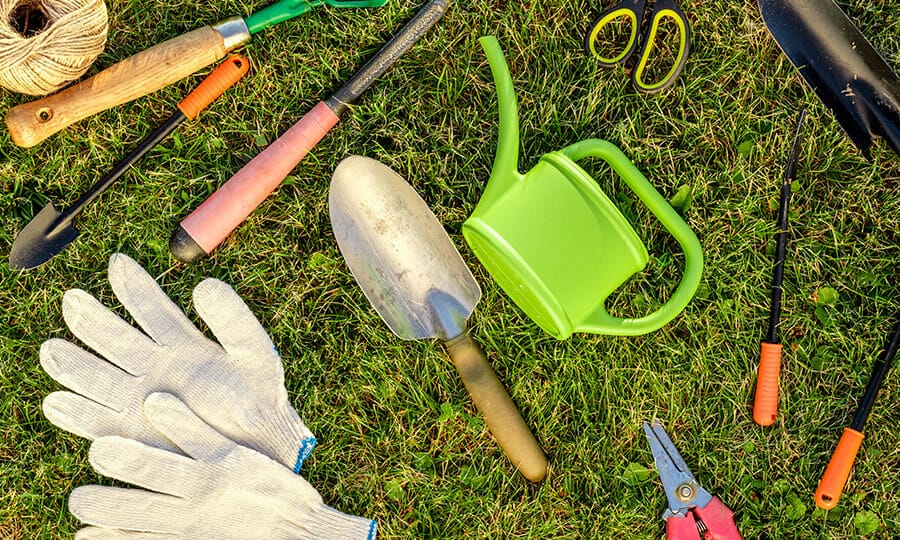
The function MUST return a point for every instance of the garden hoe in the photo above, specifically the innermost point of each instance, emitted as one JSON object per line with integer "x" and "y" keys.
{"x": 418, "y": 283}
{"x": 843, "y": 68}
{"x": 50, "y": 231}
{"x": 152, "y": 69}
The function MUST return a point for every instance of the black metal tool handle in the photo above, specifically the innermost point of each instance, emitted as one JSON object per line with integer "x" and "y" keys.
{"x": 214, "y": 85}
{"x": 122, "y": 166}
{"x": 387, "y": 56}
{"x": 790, "y": 173}
{"x": 879, "y": 371}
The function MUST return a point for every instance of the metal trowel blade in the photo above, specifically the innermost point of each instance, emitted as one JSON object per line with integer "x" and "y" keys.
{"x": 40, "y": 240}
{"x": 399, "y": 253}
{"x": 838, "y": 62}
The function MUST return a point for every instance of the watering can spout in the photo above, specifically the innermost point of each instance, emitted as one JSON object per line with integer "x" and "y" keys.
{"x": 506, "y": 163}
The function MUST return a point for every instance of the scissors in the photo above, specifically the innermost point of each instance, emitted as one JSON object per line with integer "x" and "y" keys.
{"x": 693, "y": 513}
{"x": 633, "y": 11}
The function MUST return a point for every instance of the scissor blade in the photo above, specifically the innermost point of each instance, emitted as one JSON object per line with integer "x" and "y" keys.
{"x": 665, "y": 454}
{"x": 681, "y": 489}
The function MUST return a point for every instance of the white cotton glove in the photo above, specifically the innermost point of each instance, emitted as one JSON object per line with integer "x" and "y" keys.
{"x": 236, "y": 387}
{"x": 220, "y": 491}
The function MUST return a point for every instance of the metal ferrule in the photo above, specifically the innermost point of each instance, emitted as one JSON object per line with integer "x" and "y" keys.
{"x": 234, "y": 32}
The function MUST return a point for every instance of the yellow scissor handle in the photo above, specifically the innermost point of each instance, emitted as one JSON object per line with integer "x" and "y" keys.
{"x": 672, "y": 12}
{"x": 632, "y": 12}
{"x": 605, "y": 20}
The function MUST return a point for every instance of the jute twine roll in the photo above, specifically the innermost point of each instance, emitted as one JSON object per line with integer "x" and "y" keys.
{"x": 45, "y": 44}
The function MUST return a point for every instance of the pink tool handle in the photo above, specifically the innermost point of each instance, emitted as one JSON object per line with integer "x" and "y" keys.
{"x": 230, "y": 205}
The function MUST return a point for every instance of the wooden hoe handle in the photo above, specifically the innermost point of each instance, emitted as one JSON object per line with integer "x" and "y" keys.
{"x": 139, "y": 75}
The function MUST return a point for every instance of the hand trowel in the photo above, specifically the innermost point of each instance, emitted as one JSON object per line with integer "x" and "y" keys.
{"x": 411, "y": 272}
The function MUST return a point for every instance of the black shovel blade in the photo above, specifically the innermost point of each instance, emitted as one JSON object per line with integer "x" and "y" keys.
{"x": 840, "y": 65}
{"x": 41, "y": 240}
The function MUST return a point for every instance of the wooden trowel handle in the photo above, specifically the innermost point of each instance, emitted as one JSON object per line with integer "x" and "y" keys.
{"x": 139, "y": 75}
{"x": 500, "y": 413}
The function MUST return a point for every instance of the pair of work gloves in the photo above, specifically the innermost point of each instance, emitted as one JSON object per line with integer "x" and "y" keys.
{"x": 204, "y": 428}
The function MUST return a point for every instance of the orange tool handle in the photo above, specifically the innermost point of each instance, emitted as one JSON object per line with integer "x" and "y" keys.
{"x": 214, "y": 85}
{"x": 765, "y": 405}
{"x": 838, "y": 470}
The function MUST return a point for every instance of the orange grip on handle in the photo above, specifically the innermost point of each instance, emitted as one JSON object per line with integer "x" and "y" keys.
{"x": 214, "y": 85}
{"x": 765, "y": 405}
{"x": 838, "y": 470}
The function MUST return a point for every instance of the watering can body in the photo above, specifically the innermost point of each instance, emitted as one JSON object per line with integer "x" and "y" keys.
{"x": 555, "y": 242}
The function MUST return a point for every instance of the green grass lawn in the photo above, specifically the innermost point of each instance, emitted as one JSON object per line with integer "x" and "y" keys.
{"x": 399, "y": 439}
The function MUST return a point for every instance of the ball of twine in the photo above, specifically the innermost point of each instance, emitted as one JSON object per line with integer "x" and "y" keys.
{"x": 45, "y": 44}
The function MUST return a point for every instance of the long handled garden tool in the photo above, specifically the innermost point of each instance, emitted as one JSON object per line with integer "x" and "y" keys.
{"x": 415, "y": 278}
{"x": 49, "y": 232}
{"x": 832, "y": 483}
{"x": 843, "y": 68}
{"x": 206, "y": 227}
{"x": 765, "y": 405}
{"x": 152, "y": 69}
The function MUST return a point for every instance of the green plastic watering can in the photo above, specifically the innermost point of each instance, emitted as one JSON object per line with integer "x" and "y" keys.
{"x": 555, "y": 243}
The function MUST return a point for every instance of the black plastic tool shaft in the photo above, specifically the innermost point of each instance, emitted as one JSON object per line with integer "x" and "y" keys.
{"x": 104, "y": 183}
{"x": 387, "y": 56}
{"x": 879, "y": 371}
{"x": 790, "y": 173}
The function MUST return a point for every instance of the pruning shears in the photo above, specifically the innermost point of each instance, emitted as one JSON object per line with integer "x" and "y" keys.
{"x": 693, "y": 513}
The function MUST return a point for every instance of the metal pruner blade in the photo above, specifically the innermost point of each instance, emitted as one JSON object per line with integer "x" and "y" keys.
{"x": 681, "y": 488}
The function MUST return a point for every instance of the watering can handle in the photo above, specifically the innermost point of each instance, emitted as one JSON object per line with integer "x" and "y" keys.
{"x": 693, "y": 255}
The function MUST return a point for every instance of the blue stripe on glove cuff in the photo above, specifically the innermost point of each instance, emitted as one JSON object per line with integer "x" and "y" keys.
{"x": 306, "y": 448}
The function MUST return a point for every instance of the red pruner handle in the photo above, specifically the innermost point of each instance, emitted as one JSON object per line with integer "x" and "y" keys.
{"x": 765, "y": 405}
{"x": 228, "y": 207}
{"x": 682, "y": 528}
{"x": 719, "y": 521}
{"x": 832, "y": 483}
{"x": 214, "y": 85}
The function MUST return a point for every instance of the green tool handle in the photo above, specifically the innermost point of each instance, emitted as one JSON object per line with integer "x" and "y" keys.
{"x": 500, "y": 413}
{"x": 288, "y": 9}
{"x": 693, "y": 254}
{"x": 279, "y": 12}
